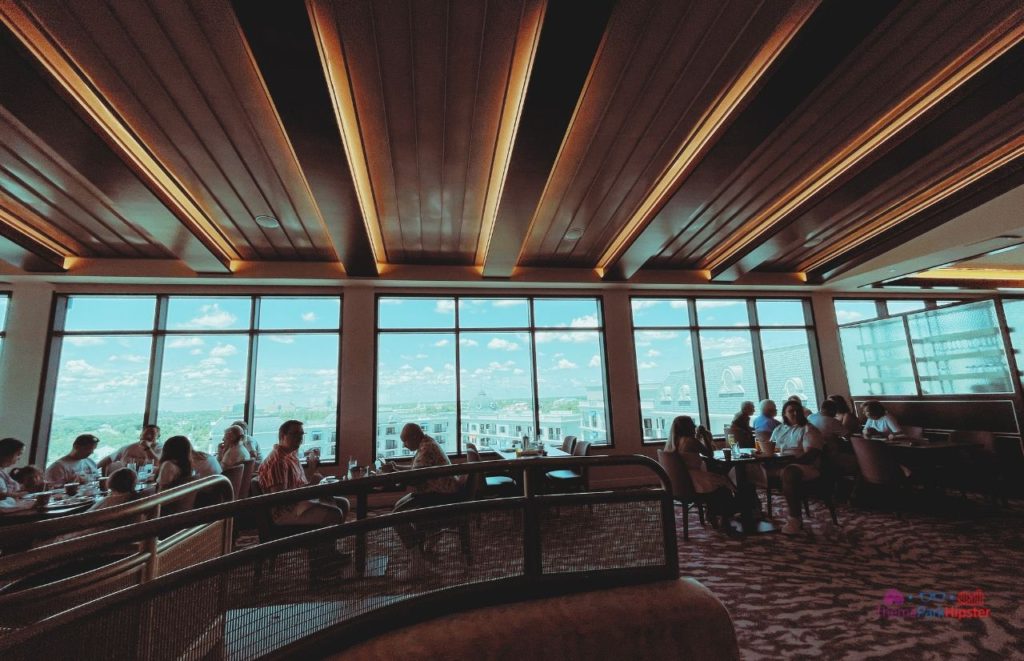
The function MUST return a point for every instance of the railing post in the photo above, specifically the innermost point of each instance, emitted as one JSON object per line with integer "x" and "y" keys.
{"x": 531, "y": 530}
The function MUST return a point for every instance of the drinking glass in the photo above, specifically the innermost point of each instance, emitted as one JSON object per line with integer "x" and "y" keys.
{"x": 353, "y": 464}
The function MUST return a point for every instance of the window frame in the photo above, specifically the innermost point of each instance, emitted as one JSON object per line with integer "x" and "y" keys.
{"x": 753, "y": 326}
{"x": 159, "y": 332}
{"x": 456, "y": 331}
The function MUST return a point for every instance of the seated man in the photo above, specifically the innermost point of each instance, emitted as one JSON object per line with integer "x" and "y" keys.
{"x": 436, "y": 491}
{"x": 146, "y": 451}
{"x": 766, "y": 422}
{"x": 742, "y": 432}
{"x": 76, "y": 466}
{"x": 281, "y": 471}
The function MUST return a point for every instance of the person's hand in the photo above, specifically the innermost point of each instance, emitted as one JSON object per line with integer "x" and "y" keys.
{"x": 388, "y": 467}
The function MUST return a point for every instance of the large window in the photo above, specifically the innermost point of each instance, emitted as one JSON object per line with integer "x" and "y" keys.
{"x": 955, "y": 349}
{"x": 489, "y": 371}
{"x": 193, "y": 365}
{"x": 4, "y": 297}
{"x": 705, "y": 357}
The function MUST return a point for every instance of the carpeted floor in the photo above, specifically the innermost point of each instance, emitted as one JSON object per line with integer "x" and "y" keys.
{"x": 818, "y": 595}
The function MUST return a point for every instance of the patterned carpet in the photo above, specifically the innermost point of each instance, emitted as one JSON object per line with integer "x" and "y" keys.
{"x": 818, "y": 595}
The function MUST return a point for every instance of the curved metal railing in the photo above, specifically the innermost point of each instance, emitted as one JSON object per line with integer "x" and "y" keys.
{"x": 301, "y": 594}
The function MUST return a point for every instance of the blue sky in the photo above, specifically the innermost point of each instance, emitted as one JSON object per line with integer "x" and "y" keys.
{"x": 108, "y": 374}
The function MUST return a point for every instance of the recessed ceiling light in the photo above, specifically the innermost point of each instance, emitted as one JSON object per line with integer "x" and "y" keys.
{"x": 815, "y": 241}
{"x": 268, "y": 222}
{"x": 574, "y": 233}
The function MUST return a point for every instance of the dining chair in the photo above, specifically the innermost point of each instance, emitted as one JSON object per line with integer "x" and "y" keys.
{"x": 683, "y": 491}
{"x": 248, "y": 467}
{"x": 983, "y": 472}
{"x": 234, "y": 475}
{"x": 879, "y": 468}
{"x": 489, "y": 484}
{"x": 568, "y": 479}
{"x": 568, "y": 443}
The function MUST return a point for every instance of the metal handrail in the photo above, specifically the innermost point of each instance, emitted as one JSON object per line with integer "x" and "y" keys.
{"x": 510, "y": 588}
{"x": 20, "y": 563}
{"x": 26, "y": 532}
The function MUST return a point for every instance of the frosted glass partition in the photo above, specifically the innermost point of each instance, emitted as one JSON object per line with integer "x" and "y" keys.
{"x": 960, "y": 350}
{"x": 877, "y": 358}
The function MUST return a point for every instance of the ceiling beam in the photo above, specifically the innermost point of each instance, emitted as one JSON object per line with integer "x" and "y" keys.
{"x": 564, "y": 52}
{"x": 747, "y": 246}
{"x": 24, "y": 245}
{"x": 106, "y": 120}
{"x": 618, "y": 260}
{"x": 280, "y": 38}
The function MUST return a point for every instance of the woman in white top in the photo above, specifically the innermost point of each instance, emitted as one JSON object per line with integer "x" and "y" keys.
{"x": 10, "y": 489}
{"x": 797, "y": 438}
{"x": 234, "y": 452}
{"x": 880, "y": 422}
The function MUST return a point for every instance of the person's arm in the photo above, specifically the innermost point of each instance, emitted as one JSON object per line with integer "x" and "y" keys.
{"x": 811, "y": 445}
{"x": 55, "y": 474}
{"x": 892, "y": 425}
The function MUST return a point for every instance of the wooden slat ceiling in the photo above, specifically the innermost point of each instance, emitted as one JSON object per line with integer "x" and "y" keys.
{"x": 724, "y": 139}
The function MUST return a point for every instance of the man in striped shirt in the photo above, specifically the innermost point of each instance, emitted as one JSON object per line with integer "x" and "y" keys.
{"x": 281, "y": 471}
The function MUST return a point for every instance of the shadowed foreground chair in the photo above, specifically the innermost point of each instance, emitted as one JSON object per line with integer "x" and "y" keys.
{"x": 492, "y": 484}
{"x": 683, "y": 491}
{"x": 879, "y": 468}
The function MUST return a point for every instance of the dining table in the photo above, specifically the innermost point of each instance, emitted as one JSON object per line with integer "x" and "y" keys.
{"x": 741, "y": 459}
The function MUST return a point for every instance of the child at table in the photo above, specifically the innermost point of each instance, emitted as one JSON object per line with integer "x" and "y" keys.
{"x": 30, "y": 478}
{"x": 122, "y": 489}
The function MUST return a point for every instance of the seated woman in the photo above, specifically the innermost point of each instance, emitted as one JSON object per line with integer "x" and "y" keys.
{"x": 683, "y": 439}
{"x": 233, "y": 451}
{"x": 122, "y": 489}
{"x": 845, "y": 415}
{"x": 797, "y": 437}
{"x": 30, "y": 478}
{"x": 880, "y": 423}
{"x": 175, "y": 466}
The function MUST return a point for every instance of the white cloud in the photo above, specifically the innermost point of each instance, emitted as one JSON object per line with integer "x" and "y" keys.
{"x": 309, "y": 316}
{"x": 211, "y": 316}
{"x": 421, "y": 356}
{"x": 565, "y": 364}
{"x": 507, "y": 303}
{"x": 441, "y": 343}
{"x": 643, "y": 305}
{"x": 518, "y": 371}
{"x": 444, "y": 306}
{"x": 678, "y": 304}
{"x": 129, "y": 358}
{"x": 466, "y": 342}
{"x": 595, "y": 361}
{"x": 653, "y": 353}
{"x": 81, "y": 368}
{"x": 280, "y": 339}
{"x": 717, "y": 303}
{"x": 586, "y": 321}
{"x": 84, "y": 341}
{"x": 659, "y": 335}
{"x": 427, "y": 370}
{"x": 196, "y": 352}
{"x": 391, "y": 301}
{"x": 184, "y": 342}
{"x": 223, "y": 350}
{"x": 848, "y": 316}
{"x": 500, "y": 343}
{"x": 647, "y": 366}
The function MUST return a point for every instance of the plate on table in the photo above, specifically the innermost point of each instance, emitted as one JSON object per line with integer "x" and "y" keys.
{"x": 74, "y": 501}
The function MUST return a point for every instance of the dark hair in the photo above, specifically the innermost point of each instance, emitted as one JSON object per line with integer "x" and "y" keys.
{"x": 874, "y": 409}
{"x": 801, "y": 419}
{"x": 178, "y": 450}
{"x": 841, "y": 404}
{"x": 123, "y": 480}
{"x": 795, "y": 398}
{"x": 85, "y": 439}
{"x": 23, "y": 473}
{"x": 829, "y": 408}
{"x": 9, "y": 447}
{"x": 683, "y": 426}
{"x": 150, "y": 426}
{"x": 286, "y": 427}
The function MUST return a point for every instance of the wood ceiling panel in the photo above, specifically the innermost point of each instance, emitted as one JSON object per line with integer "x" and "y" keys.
{"x": 181, "y": 77}
{"x": 435, "y": 87}
{"x": 900, "y": 75}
